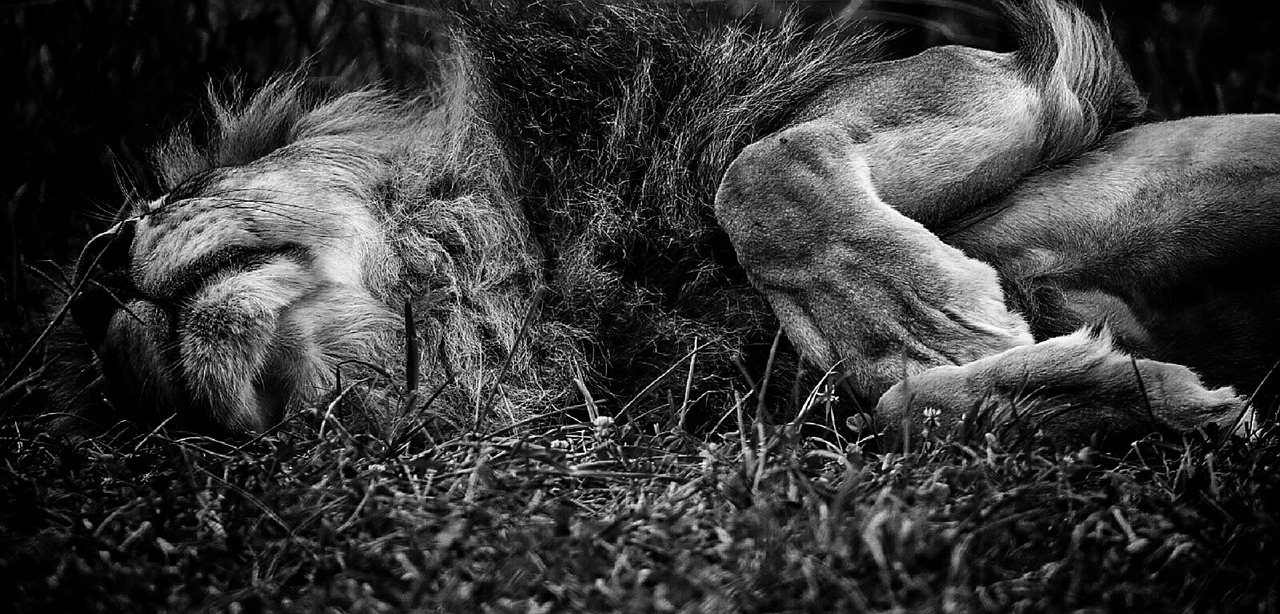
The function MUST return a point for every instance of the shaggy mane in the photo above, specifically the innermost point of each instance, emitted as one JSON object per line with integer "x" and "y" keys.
{"x": 620, "y": 119}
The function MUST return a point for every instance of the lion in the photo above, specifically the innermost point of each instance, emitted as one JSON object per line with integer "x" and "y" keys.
{"x": 592, "y": 200}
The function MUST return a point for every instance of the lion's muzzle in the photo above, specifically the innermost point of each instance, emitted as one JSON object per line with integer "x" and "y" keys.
{"x": 127, "y": 333}
{"x": 225, "y": 350}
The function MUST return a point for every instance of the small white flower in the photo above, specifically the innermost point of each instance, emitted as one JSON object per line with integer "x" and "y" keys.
{"x": 826, "y": 394}
{"x": 931, "y": 415}
{"x": 604, "y": 426}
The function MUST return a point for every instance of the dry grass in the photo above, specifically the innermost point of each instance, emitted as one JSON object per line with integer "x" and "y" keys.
{"x": 599, "y": 517}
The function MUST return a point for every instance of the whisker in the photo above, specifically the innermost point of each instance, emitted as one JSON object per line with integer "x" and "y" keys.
{"x": 100, "y": 211}
{"x": 127, "y": 182}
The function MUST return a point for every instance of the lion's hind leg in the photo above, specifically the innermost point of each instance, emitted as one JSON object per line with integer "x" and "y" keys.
{"x": 856, "y": 284}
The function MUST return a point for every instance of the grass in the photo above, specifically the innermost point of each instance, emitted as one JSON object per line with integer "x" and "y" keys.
{"x": 601, "y": 518}
{"x": 577, "y": 516}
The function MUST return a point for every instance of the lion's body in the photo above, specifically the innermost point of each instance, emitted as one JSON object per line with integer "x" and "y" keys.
{"x": 580, "y": 216}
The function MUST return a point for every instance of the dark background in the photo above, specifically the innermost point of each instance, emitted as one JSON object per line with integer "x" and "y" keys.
{"x": 86, "y": 86}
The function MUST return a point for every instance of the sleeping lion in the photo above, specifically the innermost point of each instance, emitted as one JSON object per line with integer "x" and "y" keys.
{"x": 620, "y": 208}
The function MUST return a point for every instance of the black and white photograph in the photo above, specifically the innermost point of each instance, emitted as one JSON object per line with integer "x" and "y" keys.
{"x": 900, "y": 306}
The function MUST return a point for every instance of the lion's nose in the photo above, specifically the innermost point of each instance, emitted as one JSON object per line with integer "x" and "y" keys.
{"x": 102, "y": 281}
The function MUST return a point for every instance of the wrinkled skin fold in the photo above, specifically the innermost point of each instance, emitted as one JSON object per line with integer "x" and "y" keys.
{"x": 957, "y": 233}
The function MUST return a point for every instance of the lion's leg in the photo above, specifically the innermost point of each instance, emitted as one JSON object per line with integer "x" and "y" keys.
{"x": 1064, "y": 389}
{"x": 828, "y": 217}
{"x": 1166, "y": 234}
{"x": 861, "y": 287}
{"x": 856, "y": 283}
{"x": 1154, "y": 210}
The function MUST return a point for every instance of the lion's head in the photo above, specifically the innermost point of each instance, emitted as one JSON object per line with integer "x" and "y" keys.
{"x": 284, "y": 248}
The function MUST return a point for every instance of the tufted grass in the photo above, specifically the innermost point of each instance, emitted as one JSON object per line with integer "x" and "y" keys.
{"x": 600, "y": 518}
{"x": 329, "y": 515}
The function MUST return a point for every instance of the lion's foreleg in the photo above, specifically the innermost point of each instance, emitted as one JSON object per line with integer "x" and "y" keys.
{"x": 1063, "y": 389}
{"x": 857, "y": 285}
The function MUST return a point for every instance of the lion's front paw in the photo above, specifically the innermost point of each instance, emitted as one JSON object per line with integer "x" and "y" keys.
{"x": 1065, "y": 389}
{"x": 227, "y": 306}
